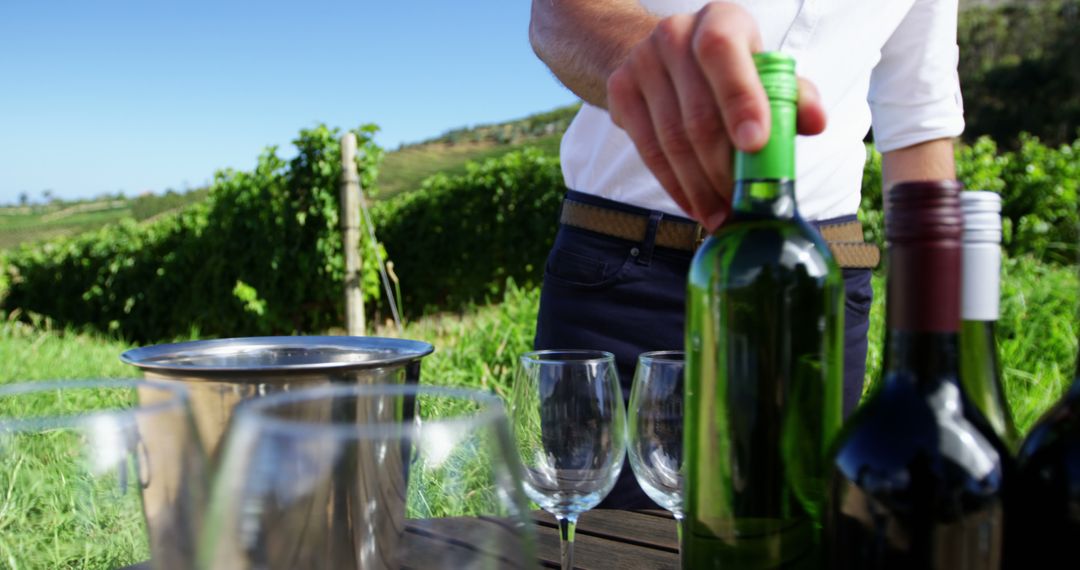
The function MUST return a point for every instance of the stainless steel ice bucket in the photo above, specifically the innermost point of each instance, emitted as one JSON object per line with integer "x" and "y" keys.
{"x": 219, "y": 374}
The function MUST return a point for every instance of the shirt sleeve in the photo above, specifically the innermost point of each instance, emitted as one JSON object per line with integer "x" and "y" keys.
{"x": 914, "y": 89}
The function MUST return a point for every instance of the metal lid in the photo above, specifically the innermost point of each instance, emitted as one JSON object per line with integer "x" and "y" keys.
{"x": 982, "y": 216}
{"x": 276, "y": 354}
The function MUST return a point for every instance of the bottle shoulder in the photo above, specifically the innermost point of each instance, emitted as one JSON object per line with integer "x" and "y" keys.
{"x": 1048, "y": 472}
{"x": 1055, "y": 435}
{"x": 742, "y": 249}
{"x": 905, "y": 436}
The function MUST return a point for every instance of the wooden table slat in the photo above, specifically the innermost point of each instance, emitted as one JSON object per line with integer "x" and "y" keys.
{"x": 648, "y": 529}
{"x": 594, "y": 553}
{"x": 607, "y": 539}
{"x": 433, "y": 542}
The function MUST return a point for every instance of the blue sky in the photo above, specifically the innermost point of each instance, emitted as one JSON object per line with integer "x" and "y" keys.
{"x": 104, "y": 96}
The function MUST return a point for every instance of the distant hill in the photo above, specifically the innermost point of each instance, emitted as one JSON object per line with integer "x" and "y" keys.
{"x": 402, "y": 170}
{"x": 405, "y": 168}
{"x": 37, "y": 222}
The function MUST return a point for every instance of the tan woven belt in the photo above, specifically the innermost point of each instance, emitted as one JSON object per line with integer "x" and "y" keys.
{"x": 845, "y": 239}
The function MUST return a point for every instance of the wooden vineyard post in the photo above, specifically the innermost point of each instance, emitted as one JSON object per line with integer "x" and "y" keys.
{"x": 350, "y": 226}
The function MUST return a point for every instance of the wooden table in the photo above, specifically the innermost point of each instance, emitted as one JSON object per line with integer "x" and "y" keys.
{"x": 605, "y": 539}
{"x": 624, "y": 540}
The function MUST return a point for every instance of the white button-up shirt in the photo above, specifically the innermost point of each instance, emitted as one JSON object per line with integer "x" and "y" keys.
{"x": 886, "y": 63}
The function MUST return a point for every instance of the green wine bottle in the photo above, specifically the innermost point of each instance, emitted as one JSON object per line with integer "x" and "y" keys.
{"x": 764, "y": 357}
{"x": 980, "y": 372}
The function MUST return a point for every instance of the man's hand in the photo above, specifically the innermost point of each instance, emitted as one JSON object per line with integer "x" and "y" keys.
{"x": 688, "y": 93}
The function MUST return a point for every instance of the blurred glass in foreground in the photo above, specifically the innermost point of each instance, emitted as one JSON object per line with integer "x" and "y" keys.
{"x": 85, "y": 486}
{"x": 368, "y": 477}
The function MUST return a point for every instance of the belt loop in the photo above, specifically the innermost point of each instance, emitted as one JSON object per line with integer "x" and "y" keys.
{"x": 644, "y": 257}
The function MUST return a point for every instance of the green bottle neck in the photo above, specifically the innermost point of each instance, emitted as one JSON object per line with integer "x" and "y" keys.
{"x": 765, "y": 180}
{"x": 980, "y": 374}
{"x": 764, "y": 199}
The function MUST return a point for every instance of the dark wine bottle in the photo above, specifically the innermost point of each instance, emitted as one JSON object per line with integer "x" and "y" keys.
{"x": 764, "y": 352}
{"x": 918, "y": 476}
{"x": 980, "y": 372}
{"x": 1046, "y": 519}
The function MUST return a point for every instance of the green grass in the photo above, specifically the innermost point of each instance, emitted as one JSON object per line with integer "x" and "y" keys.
{"x": 1037, "y": 338}
{"x": 42, "y": 352}
{"x": 454, "y": 473}
{"x": 1036, "y": 335}
{"x": 54, "y": 513}
{"x": 59, "y": 511}
{"x": 478, "y": 349}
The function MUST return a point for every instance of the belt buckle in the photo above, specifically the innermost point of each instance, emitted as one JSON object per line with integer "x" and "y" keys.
{"x": 699, "y": 236}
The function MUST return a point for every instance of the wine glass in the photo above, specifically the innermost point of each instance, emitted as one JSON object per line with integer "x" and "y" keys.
{"x": 656, "y": 430}
{"x": 368, "y": 477}
{"x": 569, "y": 422}
{"x": 99, "y": 474}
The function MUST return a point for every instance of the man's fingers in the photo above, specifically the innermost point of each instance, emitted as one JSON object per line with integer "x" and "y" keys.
{"x": 662, "y": 81}
{"x": 629, "y": 111}
{"x": 689, "y": 95}
{"x": 725, "y": 37}
{"x": 703, "y": 125}
{"x": 811, "y": 112}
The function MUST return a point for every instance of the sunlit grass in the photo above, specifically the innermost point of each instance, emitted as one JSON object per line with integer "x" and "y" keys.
{"x": 475, "y": 349}
{"x": 42, "y": 352}
{"x": 69, "y": 494}
{"x": 1036, "y": 335}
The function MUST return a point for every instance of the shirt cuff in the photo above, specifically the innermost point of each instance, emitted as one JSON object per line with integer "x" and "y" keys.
{"x": 898, "y": 126}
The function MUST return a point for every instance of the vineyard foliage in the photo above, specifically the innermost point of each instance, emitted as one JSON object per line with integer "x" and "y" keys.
{"x": 1039, "y": 185}
{"x": 458, "y": 238}
{"x": 263, "y": 254}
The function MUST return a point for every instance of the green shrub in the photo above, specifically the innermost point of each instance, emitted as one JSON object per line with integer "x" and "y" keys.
{"x": 1039, "y": 186}
{"x": 262, "y": 255}
{"x": 459, "y": 238}
{"x": 871, "y": 208}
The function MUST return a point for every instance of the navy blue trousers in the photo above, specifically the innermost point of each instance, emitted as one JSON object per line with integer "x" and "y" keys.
{"x": 606, "y": 293}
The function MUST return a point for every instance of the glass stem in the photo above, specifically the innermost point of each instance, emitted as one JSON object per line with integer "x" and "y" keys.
{"x": 679, "y": 534}
{"x": 566, "y": 540}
